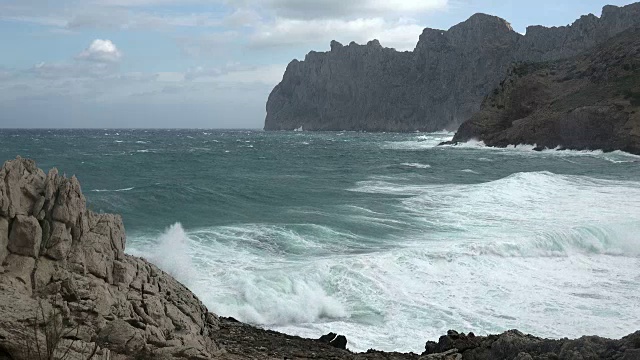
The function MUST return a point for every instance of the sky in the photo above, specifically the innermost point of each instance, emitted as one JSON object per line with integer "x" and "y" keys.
{"x": 201, "y": 63}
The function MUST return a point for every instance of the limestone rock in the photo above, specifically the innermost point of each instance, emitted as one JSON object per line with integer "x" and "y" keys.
{"x": 58, "y": 242}
{"x": 439, "y": 85}
{"x": 73, "y": 260}
{"x": 19, "y": 184}
{"x": 4, "y": 239}
{"x": 70, "y": 203}
{"x": 18, "y": 271}
{"x": 25, "y": 237}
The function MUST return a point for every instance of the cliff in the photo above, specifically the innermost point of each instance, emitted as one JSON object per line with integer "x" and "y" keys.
{"x": 68, "y": 291}
{"x": 438, "y": 85}
{"x": 591, "y": 101}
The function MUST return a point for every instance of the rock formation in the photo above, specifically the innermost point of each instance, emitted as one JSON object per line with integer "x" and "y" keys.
{"x": 514, "y": 345}
{"x": 591, "y": 101}
{"x": 63, "y": 261}
{"x": 438, "y": 85}
{"x": 68, "y": 291}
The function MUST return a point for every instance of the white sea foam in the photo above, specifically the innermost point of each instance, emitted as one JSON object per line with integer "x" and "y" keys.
{"x": 417, "y": 165}
{"x": 172, "y": 254}
{"x": 420, "y": 142}
{"x": 116, "y": 190}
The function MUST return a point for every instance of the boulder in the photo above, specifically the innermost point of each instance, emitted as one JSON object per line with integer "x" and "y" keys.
{"x": 335, "y": 340}
{"x": 25, "y": 237}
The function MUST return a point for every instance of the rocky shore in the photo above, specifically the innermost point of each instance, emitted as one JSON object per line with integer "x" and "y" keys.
{"x": 69, "y": 291}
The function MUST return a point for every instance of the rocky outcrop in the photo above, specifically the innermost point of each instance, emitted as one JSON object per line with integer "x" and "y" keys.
{"x": 62, "y": 263}
{"x": 438, "y": 85}
{"x": 588, "y": 102}
{"x": 514, "y": 345}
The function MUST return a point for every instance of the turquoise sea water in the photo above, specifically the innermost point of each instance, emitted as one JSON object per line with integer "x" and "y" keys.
{"x": 385, "y": 238}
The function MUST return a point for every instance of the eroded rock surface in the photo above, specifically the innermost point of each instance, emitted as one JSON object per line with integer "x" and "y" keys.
{"x": 438, "y": 85}
{"x": 58, "y": 255}
{"x": 514, "y": 345}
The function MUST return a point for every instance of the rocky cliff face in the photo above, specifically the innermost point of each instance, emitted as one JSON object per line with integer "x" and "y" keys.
{"x": 591, "y": 101}
{"x": 438, "y": 85}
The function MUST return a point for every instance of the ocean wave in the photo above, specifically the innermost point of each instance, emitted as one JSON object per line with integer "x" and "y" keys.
{"x": 525, "y": 214}
{"x": 616, "y": 156}
{"x": 280, "y": 299}
{"x": 421, "y": 142}
{"x": 266, "y": 293}
{"x": 610, "y": 239}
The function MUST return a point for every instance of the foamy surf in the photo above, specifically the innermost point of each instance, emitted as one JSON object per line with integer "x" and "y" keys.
{"x": 517, "y": 241}
{"x": 315, "y": 232}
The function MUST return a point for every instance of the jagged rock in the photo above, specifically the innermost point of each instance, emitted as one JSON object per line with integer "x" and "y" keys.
{"x": 514, "y": 345}
{"x": 19, "y": 182}
{"x": 57, "y": 240}
{"x": 439, "y": 85}
{"x": 73, "y": 260}
{"x": 452, "y": 354}
{"x": 588, "y": 102}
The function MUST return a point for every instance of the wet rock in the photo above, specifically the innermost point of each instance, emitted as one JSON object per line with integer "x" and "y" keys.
{"x": 335, "y": 340}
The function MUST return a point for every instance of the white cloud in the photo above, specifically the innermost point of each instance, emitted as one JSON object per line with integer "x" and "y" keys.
{"x": 341, "y": 9}
{"x": 400, "y": 34}
{"x": 101, "y": 51}
{"x": 243, "y": 17}
{"x": 236, "y": 74}
{"x": 208, "y": 44}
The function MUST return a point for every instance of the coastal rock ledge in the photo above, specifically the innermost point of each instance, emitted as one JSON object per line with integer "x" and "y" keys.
{"x": 68, "y": 291}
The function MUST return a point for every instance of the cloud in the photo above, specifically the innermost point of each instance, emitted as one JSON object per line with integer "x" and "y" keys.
{"x": 401, "y": 34}
{"x": 101, "y": 51}
{"x": 207, "y": 44}
{"x": 340, "y": 9}
{"x": 235, "y": 74}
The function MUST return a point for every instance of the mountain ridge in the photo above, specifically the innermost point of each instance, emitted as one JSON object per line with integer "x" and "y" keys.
{"x": 437, "y": 86}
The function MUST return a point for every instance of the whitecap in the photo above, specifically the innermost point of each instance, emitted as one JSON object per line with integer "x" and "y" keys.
{"x": 417, "y": 165}
{"x": 117, "y": 190}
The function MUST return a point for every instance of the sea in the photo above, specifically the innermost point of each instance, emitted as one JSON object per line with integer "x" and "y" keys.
{"x": 386, "y": 238}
